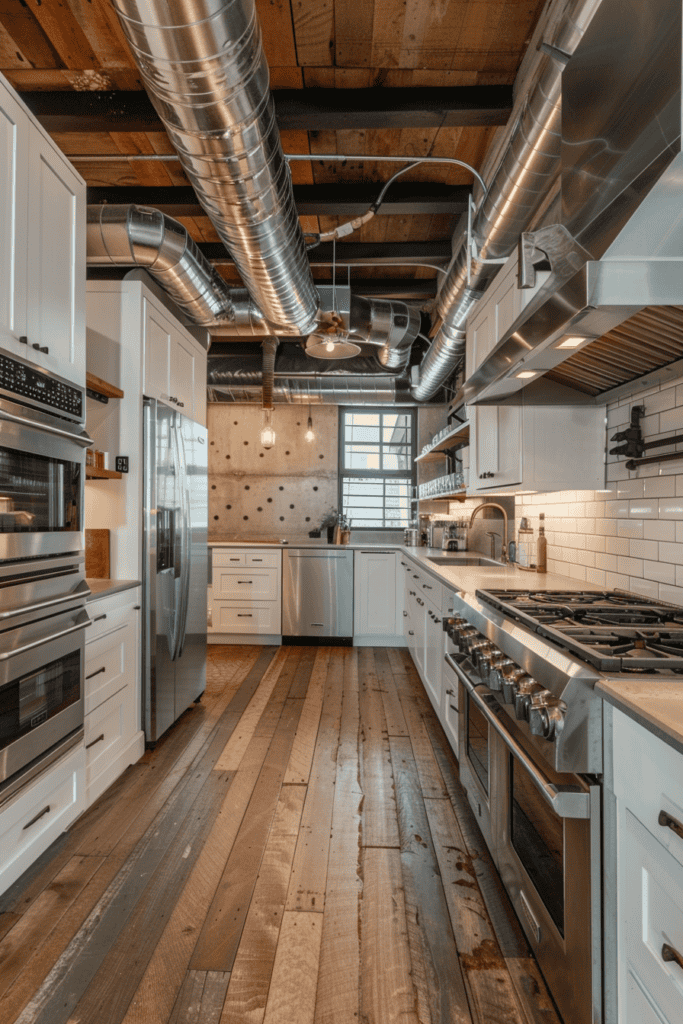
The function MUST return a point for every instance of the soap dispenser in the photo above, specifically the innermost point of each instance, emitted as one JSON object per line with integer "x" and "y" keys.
{"x": 525, "y": 546}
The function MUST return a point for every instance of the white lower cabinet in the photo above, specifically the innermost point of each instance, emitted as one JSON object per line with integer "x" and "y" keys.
{"x": 377, "y": 609}
{"x": 39, "y": 813}
{"x": 648, "y": 785}
{"x": 245, "y": 598}
{"x": 113, "y": 738}
{"x": 433, "y": 657}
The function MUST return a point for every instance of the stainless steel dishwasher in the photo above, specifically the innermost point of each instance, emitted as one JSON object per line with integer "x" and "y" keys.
{"x": 317, "y": 592}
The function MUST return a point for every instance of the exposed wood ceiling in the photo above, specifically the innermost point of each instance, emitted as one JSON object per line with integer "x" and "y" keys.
{"x": 410, "y": 77}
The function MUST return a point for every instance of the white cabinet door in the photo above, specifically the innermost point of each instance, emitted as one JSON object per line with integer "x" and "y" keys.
{"x": 434, "y": 653}
{"x": 56, "y": 262}
{"x": 158, "y": 343}
{"x": 14, "y": 127}
{"x": 375, "y": 593}
{"x": 182, "y": 374}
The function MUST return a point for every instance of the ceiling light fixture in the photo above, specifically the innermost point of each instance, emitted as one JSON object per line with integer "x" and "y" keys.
{"x": 267, "y": 431}
{"x": 309, "y": 435}
{"x": 571, "y": 342}
{"x": 527, "y": 374}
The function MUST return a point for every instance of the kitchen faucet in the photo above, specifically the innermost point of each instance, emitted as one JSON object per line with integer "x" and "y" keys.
{"x": 493, "y": 504}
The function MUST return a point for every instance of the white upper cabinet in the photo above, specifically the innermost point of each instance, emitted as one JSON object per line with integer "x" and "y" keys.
{"x": 175, "y": 364}
{"x": 42, "y": 250}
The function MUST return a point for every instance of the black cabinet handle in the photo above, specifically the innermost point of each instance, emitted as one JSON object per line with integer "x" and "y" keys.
{"x": 137, "y": 607}
{"x": 671, "y": 955}
{"x": 450, "y": 693}
{"x": 246, "y": 581}
{"x": 23, "y": 339}
{"x": 667, "y": 821}
{"x": 244, "y": 616}
{"x": 41, "y": 814}
{"x": 98, "y": 618}
{"x": 411, "y": 632}
{"x": 425, "y": 586}
{"x": 98, "y": 740}
{"x": 93, "y": 674}
{"x": 405, "y": 615}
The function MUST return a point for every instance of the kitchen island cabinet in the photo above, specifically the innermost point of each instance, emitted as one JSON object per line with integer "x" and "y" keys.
{"x": 42, "y": 246}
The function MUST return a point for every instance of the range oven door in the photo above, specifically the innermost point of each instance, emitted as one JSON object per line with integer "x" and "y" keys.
{"x": 41, "y": 692}
{"x": 547, "y": 829}
{"x": 475, "y": 747}
{"x": 42, "y": 472}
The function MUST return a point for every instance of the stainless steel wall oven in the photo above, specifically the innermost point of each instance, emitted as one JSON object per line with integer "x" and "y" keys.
{"x": 42, "y": 578}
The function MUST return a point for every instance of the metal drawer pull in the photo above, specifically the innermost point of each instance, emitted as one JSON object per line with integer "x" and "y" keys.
{"x": 98, "y": 618}
{"x": 667, "y": 821}
{"x": 317, "y": 623}
{"x": 39, "y": 815}
{"x": 244, "y": 616}
{"x": 671, "y": 955}
{"x": 246, "y": 581}
{"x": 451, "y": 693}
{"x": 425, "y": 586}
{"x": 566, "y": 801}
{"x": 93, "y": 674}
{"x": 98, "y": 740}
{"x": 234, "y": 559}
{"x": 411, "y": 632}
{"x": 46, "y": 640}
{"x": 257, "y": 559}
{"x": 137, "y": 607}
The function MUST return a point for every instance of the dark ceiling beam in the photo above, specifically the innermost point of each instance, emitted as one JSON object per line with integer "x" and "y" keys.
{"x": 338, "y": 200}
{"x": 398, "y": 254}
{"x": 303, "y": 109}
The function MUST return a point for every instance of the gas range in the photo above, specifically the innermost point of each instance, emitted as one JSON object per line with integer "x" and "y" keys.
{"x": 613, "y": 631}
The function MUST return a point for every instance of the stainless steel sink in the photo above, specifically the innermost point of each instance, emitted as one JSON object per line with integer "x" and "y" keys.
{"x": 463, "y": 559}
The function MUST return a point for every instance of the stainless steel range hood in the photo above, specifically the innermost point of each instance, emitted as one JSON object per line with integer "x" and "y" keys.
{"x": 617, "y": 257}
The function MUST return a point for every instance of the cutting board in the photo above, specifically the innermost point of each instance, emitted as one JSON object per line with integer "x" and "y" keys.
{"x": 97, "y": 554}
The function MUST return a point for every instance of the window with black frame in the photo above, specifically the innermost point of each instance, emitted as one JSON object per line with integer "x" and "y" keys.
{"x": 376, "y": 467}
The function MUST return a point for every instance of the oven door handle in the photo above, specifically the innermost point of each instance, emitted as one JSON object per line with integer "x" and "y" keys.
{"x": 81, "y": 439}
{"x": 81, "y": 591}
{"x": 566, "y": 801}
{"x": 46, "y": 640}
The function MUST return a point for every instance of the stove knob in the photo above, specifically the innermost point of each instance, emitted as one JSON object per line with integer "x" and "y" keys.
{"x": 485, "y": 657}
{"x": 523, "y": 694}
{"x": 546, "y": 715}
{"x": 498, "y": 664}
{"x": 482, "y": 655}
{"x": 466, "y": 637}
{"x": 512, "y": 679}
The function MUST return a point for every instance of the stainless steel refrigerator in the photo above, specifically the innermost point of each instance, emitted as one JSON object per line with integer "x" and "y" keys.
{"x": 174, "y": 566}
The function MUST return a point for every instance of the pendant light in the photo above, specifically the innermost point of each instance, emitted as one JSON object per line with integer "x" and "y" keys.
{"x": 309, "y": 435}
{"x": 267, "y": 431}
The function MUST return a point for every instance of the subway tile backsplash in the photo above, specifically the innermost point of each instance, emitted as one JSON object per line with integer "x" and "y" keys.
{"x": 629, "y": 536}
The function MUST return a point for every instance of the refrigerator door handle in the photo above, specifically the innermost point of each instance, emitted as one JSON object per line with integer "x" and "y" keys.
{"x": 185, "y": 581}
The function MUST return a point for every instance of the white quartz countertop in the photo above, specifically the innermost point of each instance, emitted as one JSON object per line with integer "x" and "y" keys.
{"x": 655, "y": 704}
{"x": 303, "y": 542}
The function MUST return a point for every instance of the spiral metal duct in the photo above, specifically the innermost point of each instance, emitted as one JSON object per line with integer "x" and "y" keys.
{"x": 203, "y": 65}
{"x": 141, "y": 236}
{"x": 529, "y": 164}
{"x": 341, "y": 390}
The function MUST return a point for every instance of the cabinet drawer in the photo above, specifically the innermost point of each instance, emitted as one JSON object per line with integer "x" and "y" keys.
{"x": 265, "y": 559}
{"x": 106, "y": 665}
{"x": 263, "y": 617}
{"x": 227, "y": 558}
{"x": 107, "y": 730}
{"x": 651, "y": 914}
{"x": 39, "y": 814}
{"x": 648, "y": 777}
{"x": 246, "y": 587}
{"x": 108, "y": 613}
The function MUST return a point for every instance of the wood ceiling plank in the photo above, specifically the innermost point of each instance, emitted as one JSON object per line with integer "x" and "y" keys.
{"x": 387, "y": 32}
{"x": 286, "y": 78}
{"x": 277, "y": 30}
{"x": 101, "y": 25}
{"x": 152, "y": 172}
{"x": 297, "y": 142}
{"x": 319, "y": 77}
{"x": 414, "y": 28}
{"x": 66, "y": 35}
{"x": 353, "y": 24}
{"x": 76, "y": 143}
{"x": 314, "y": 32}
{"x": 132, "y": 143}
{"x": 11, "y": 56}
{"x": 21, "y": 24}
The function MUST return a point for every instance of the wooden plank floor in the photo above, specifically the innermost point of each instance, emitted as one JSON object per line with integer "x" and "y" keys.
{"x": 296, "y": 850}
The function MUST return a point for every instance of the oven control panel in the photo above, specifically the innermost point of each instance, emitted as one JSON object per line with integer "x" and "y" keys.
{"x": 42, "y": 389}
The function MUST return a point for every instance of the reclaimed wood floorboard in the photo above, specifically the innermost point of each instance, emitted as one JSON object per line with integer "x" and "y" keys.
{"x": 296, "y": 850}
